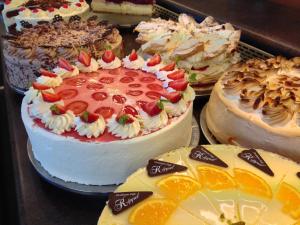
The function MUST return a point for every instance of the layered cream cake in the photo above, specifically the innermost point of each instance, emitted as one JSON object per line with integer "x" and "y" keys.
{"x": 18, "y": 14}
{"x": 205, "y": 49}
{"x": 256, "y": 104}
{"x": 209, "y": 185}
{"x": 131, "y": 7}
{"x": 42, "y": 45}
{"x": 81, "y": 119}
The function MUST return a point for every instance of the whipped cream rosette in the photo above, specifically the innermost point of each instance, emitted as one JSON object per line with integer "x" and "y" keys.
{"x": 78, "y": 111}
{"x": 205, "y": 50}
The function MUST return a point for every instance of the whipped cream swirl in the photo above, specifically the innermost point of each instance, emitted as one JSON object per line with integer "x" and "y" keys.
{"x": 188, "y": 94}
{"x": 152, "y": 69}
{"x": 123, "y": 131}
{"x": 50, "y": 81}
{"x": 63, "y": 73}
{"x": 87, "y": 69}
{"x": 39, "y": 107}
{"x": 90, "y": 129}
{"x": 175, "y": 109}
{"x": 151, "y": 123}
{"x": 116, "y": 63}
{"x": 59, "y": 123}
{"x": 32, "y": 93}
{"x": 135, "y": 65}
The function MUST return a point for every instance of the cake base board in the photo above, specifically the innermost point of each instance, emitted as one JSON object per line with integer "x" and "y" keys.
{"x": 92, "y": 190}
{"x": 204, "y": 128}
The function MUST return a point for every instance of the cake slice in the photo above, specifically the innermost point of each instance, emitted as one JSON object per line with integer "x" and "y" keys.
{"x": 285, "y": 205}
{"x": 258, "y": 174}
{"x": 130, "y": 7}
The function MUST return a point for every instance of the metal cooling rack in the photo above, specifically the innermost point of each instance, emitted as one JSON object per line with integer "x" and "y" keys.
{"x": 246, "y": 51}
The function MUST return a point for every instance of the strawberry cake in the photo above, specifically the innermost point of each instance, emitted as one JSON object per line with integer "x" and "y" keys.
{"x": 209, "y": 185}
{"x": 82, "y": 118}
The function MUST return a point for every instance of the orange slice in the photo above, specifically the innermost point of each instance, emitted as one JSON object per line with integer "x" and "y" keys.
{"x": 152, "y": 212}
{"x": 178, "y": 187}
{"x": 252, "y": 184}
{"x": 290, "y": 198}
{"x": 214, "y": 178}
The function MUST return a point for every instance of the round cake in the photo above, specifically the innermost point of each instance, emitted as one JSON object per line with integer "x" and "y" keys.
{"x": 209, "y": 185}
{"x": 19, "y": 14}
{"x": 42, "y": 45}
{"x": 96, "y": 126}
{"x": 256, "y": 104}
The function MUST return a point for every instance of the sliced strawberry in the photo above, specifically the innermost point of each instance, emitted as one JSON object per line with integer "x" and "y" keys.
{"x": 128, "y": 109}
{"x": 104, "y": 111}
{"x": 47, "y": 73}
{"x": 63, "y": 63}
{"x": 134, "y": 92}
{"x": 39, "y": 86}
{"x": 88, "y": 117}
{"x": 176, "y": 75}
{"x": 168, "y": 67}
{"x": 77, "y": 107}
{"x": 134, "y": 85}
{"x": 155, "y": 87}
{"x": 94, "y": 86}
{"x": 133, "y": 56}
{"x": 147, "y": 79}
{"x": 173, "y": 97}
{"x": 178, "y": 85}
{"x": 153, "y": 108}
{"x": 57, "y": 109}
{"x": 99, "y": 96}
{"x": 126, "y": 80}
{"x": 156, "y": 59}
{"x": 119, "y": 99}
{"x": 107, "y": 80}
{"x": 131, "y": 73}
{"x": 84, "y": 58}
{"x": 124, "y": 118}
{"x": 68, "y": 93}
{"x": 76, "y": 82}
{"x": 153, "y": 95}
{"x": 108, "y": 56}
{"x": 140, "y": 103}
{"x": 50, "y": 97}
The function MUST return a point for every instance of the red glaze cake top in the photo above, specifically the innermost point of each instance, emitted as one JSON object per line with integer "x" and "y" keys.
{"x": 104, "y": 100}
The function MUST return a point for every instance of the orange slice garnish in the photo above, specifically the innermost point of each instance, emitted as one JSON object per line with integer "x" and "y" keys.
{"x": 214, "y": 178}
{"x": 290, "y": 198}
{"x": 152, "y": 212}
{"x": 252, "y": 184}
{"x": 178, "y": 187}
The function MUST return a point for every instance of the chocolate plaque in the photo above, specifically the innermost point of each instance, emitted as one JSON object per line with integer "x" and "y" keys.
{"x": 203, "y": 155}
{"x": 120, "y": 201}
{"x": 252, "y": 157}
{"x": 158, "y": 168}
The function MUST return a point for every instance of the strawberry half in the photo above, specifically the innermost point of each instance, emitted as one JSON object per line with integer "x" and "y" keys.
{"x": 50, "y": 97}
{"x": 178, "y": 85}
{"x": 156, "y": 59}
{"x": 88, "y": 117}
{"x": 47, "y": 73}
{"x": 108, "y": 56}
{"x": 173, "y": 97}
{"x": 84, "y": 58}
{"x": 168, "y": 67}
{"x": 133, "y": 56}
{"x": 63, "y": 63}
{"x": 176, "y": 75}
{"x": 39, "y": 86}
{"x": 123, "y": 118}
{"x": 153, "y": 108}
{"x": 57, "y": 109}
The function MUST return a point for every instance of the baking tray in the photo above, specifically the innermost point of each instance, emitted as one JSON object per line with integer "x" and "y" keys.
{"x": 92, "y": 190}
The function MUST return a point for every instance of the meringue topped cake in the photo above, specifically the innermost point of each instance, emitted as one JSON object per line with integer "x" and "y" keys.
{"x": 209, "y": 185}
{"x": 95, "y": 113}
{"x": 256, "y": 104}
{"x": 19, "y": 13}
{"x": 205, "y": 50}
{"x": 131, "y": 7}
